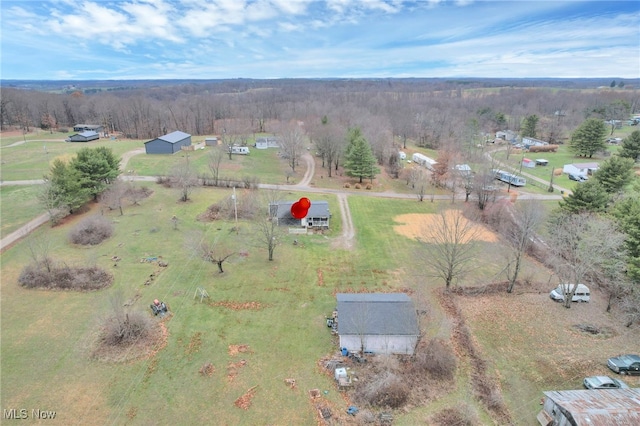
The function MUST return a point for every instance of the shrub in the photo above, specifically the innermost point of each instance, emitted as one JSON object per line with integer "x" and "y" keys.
{"x": 123, "y": 328}
{"x": 369, "y": 186}
{"x": 437, "y": 359}
{"x": 386, "y": 390}
{"x": 458, "y": 416}
{"x": 91, "y": 231}
{"x": 357, "y": 186}
{"x": 37, "y": 275}
{"x": 347, "y": 185}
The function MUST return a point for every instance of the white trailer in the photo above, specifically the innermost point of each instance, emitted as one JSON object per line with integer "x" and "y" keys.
{"x": 423, "y": 160}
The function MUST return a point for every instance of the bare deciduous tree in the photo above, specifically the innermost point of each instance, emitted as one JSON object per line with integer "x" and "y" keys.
{"x": 580, "y": 246}
{"x": 268, "y": 232}
{"x": 210, "y": 249}
{"x": 215, "y": 160}
{"x": 292, "y": 144}
{"x": 112, "y": 197}
{"x": 521, "y": 227}
{"x": 183, "y": 177}
{"x": 449, "y": 243}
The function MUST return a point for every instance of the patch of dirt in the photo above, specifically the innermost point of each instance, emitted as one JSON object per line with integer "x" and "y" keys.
{"x": 238, "y": 306}
{"x": 244, "y": 401}
{"x": 239, "y": 349}
{"x": 194, "y": 344}
{"x": 413, "y": 225}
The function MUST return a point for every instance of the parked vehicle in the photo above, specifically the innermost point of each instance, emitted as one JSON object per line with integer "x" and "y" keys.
{"x": 625, "y": 364}
{"x": 603, "y": 382}
{"x": 577, "y": 178}
{"x": 582, "y": 293}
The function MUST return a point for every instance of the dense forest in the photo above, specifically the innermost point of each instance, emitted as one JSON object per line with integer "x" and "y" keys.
{"x": 432, "y": 112}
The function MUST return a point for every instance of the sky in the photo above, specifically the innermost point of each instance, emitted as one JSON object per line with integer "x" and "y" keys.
{"x": 269, "y": 39}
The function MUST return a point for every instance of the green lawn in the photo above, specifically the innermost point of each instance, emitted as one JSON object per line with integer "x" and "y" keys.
{"x": 18, "y": 204}
{"x": 286, "y": 334}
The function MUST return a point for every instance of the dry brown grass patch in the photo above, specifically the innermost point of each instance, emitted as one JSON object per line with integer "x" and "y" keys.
{"x": 413, "y": 225}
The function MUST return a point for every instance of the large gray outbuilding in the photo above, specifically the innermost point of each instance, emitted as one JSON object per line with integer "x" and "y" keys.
{"x": 168, "y": 144}
{"x": 382, "y": 323}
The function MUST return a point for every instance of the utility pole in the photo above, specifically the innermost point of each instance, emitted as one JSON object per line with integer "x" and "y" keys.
{"x": 235, "y": 207}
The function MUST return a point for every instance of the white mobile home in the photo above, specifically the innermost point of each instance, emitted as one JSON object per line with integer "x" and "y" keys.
{"x": 242, "y": 150}
{"x": 423, "y": 160}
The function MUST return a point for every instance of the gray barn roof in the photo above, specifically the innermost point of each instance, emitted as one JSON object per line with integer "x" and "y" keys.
{"x": 376, "y": 314}
{"x": 174, "y": 137}
{"x": 88, "y": 133}
{"x": 599, "y": 407}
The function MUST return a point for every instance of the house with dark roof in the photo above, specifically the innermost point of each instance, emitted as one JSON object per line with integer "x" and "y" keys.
{"x": 594, "y": 407}
{"x": 382, "y": 323}
{"x": 86, "y": 136}
{"x": 87, "y": 127}
{"x": 168, "y": 144}
{"x": 317, "y": 217}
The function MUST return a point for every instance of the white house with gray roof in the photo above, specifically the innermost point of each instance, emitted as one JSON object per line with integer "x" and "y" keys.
{"x": 382, "y": 323}
{"x": 317, "y": 217}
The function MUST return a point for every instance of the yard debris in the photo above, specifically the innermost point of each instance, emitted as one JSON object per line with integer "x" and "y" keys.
{"x": 244, "y": 401}
{"x": 207, "y": 369}
{"x": 238, "y": 306}
{"x": 232, "y": 369}
{"x": 324, "y": 412}
{"x": 314, "y": 393}
{"x": 291, "y": 383}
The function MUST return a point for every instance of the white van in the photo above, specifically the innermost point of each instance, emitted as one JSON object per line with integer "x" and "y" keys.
{"x": 581, "y": 294}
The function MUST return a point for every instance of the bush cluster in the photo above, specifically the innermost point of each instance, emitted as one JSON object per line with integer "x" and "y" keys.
{"x": 64, "y": 278}
{"x": 91, "y": 231}
{"x": 386, "y": 389}
{"x": 125, "y": 328}
{"x": 438, "y": 360}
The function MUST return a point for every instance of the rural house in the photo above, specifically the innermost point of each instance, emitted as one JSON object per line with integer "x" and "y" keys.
{"x": 382, "y": 323}
{"x": 317, "y": 217}
{"x": 86, "y": 127}
{"x": 602, "y": 407}
{"x": 86, "y": 136}
{"x": 168, "y": 144}
{"x": 264, "y": 143}
{"x": 529, "y": 142}
{"x": 580, "y": 169}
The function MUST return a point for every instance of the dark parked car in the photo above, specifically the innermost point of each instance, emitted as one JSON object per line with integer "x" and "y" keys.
{"x": 577, "y": 178}
{"x": 603, "y": 382}
{"x": 625, "y": 364}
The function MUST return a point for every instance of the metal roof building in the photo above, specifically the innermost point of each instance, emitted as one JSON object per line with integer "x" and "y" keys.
{"x": 620, "y": 407}
{"x": 168, "y": 144}
{"x": 384, "y": 323}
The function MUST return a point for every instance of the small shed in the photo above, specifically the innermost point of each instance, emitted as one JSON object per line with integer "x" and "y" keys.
{"x": 86, "y": 136}
{"x": 591, "y": 407}
{"x": 542, "y": 162}
{"x": 580, "y": 169}
{"x": 168, "y": 144}
{"x": 211, "y": 141}
{"x": 463, "y": 169}
{"x": 317, "y": 217}
{"x": 527, "y": 162}
{"x": 382, "y": 323}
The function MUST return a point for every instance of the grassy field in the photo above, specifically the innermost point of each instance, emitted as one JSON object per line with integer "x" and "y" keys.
{"x": 275, "y": 308}
{"x": 24, "y": 197}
